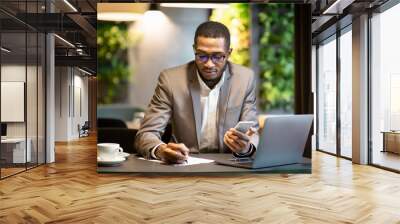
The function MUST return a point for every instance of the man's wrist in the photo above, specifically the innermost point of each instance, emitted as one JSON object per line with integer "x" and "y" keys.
{"x": 248, "y": 153}
{"x": 158, "y": 151}
{"x": 153, "y": 152}
{"x": 246, "y": 150}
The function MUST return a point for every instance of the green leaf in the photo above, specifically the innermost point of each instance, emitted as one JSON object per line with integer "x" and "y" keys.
{"x": 114, "y": 72}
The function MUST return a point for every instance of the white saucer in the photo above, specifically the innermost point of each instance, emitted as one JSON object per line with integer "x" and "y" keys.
{"x": 124, "y": 154}
{"x": 109, "y": 162}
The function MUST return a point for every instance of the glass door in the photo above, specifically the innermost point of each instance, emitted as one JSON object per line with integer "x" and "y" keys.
{"x": 385, "y": 89}
{"x": 22, "y": 77}
{"x": 14, "y": 154}
{"x": 326, "y": 99}
{"x": 345, "y": 43}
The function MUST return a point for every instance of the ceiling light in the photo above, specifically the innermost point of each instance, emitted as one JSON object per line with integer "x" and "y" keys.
{"x": 65, "y": 41}
{"x": 153, "y": 12}
{"x": 118, "y": 16}
{"x": 195, "y": 5}
{"x": 337, "y": 7}
{"x": 79, "y": 44}
{"x": 80, "y": 51}
{"x": 70, "y": 5}
{"x": 5, "y": 50}
{"x": 154, "y": 7}
{"x": 84, "y": 71}
{"x": 121, "y": 12}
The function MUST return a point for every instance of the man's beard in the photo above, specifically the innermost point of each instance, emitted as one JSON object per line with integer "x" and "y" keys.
{"x": 211, "y": 83}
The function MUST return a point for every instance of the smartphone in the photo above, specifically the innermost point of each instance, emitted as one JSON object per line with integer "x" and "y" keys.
{"x": 243, "y": 126}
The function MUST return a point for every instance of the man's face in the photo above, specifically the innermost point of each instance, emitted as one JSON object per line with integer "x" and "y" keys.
{"x": 211, "y": 56}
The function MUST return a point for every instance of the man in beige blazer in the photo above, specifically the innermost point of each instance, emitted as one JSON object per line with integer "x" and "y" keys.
{"x": 203, "y": 99}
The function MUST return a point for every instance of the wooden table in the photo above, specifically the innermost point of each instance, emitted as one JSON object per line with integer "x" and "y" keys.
{"x": 14, "y": 150}
{"x": 391, "y": 141}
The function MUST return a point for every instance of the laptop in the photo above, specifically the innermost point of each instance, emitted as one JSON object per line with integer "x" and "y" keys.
{"x": 282, "y": 142}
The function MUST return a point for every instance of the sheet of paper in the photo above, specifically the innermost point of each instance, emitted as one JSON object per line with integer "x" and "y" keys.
{"x": 151, "y": 160}
{"x": 190, "y": 161}
{"x": 194, "y": 160}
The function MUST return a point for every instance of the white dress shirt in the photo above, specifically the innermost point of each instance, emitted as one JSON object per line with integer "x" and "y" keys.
{"x": 209, "y": 114}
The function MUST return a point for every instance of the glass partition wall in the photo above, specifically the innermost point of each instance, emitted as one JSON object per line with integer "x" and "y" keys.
{"x": 334, "y": 94}
{"x": 22, "y": 87}
{"x": 327, "y": 95}
{"x": 345, "y": 62}
{"x": 385, "y": 89}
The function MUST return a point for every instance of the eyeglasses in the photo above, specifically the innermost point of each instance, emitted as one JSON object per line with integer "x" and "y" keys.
{"x": 215, "y": 58}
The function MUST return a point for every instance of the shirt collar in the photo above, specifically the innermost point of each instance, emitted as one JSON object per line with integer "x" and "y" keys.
{"x": 204, "y": 86}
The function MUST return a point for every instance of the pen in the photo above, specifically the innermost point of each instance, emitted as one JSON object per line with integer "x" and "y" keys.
{"x": 176, "y": 141}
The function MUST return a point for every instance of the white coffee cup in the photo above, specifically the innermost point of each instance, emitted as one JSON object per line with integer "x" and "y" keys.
{"x": 108, "y": 151}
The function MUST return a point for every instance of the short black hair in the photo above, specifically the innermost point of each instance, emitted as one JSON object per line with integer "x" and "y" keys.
{"x": 214, "y": 30}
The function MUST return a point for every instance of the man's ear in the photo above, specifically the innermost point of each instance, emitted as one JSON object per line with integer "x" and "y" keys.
{"x": 229, "y": 53}
{"x": 194, "y": 48}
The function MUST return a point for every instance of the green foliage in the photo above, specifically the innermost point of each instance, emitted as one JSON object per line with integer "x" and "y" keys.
{"x": 276, "y": 56}
{"x": 113, "y": 69}
{"x": 237, "y": 18}
{"x": 276, "y": 49}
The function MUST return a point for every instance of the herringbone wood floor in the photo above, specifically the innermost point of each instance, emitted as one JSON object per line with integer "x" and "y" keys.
{"x": 70, "y": 191}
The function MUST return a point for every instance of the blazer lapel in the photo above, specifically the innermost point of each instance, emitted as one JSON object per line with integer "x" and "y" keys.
{"x": 223, "y": 105}
{"x": 194, "y": 87}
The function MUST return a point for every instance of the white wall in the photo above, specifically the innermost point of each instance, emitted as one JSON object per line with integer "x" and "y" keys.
{"x": 70, "y": 83}
{"x": 15, "y": 72}
{"x": 61, "y": 103}
{"x": 81, "y": 103}
{"x": 166, "y": 42}
{"x": 33, "y": 127}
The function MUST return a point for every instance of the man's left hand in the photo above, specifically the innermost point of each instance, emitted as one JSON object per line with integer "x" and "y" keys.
{"x": 238, "y": 142}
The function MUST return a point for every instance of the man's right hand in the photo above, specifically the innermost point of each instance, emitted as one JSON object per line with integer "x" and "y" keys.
{"x": 172, "y": 153}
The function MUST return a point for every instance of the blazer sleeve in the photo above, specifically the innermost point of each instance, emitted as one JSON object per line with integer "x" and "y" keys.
{"x": 249, "y": 109}
{"x": 156, "y": 119}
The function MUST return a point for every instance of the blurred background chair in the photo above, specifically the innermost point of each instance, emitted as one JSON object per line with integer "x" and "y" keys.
{"x": 110, "y": 123}
{"x": 116, "y": 131}
{"x": 84, "y": 129}
{"x": 125, "y": 137}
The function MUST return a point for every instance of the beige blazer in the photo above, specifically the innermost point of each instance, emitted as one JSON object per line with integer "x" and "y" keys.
{"x": 177, "y": 99}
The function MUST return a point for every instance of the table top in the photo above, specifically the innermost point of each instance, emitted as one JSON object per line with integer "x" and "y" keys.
{"x": 391, "y": 132}
{"x": 13, "y": 140}
{"x": 134, "y": 165}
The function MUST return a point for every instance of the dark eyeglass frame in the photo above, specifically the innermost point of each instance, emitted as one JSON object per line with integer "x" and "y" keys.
{"x": 215, "y": 58}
